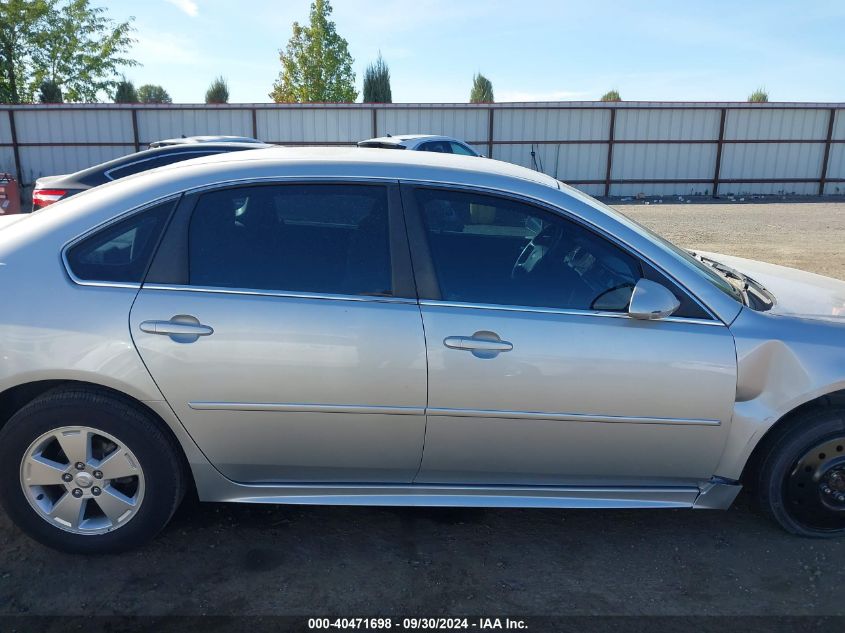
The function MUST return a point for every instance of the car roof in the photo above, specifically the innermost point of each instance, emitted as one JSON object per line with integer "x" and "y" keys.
{"x": 375, "y": 163}
{"x": 183, "y": 140}
{"x": 398, "y": 139}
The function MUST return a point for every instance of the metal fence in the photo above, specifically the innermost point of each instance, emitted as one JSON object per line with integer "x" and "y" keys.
{"x": 616, "y": 149}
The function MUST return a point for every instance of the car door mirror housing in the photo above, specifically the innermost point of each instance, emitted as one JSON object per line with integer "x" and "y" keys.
{"x": 651, "y": 301}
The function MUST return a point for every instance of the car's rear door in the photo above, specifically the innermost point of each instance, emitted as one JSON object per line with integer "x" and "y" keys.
{"x": 536, "y": 372}
{"x": 281, "y": 324}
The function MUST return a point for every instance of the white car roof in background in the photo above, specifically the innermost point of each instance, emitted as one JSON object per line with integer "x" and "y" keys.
{"x": 397, "y": 139}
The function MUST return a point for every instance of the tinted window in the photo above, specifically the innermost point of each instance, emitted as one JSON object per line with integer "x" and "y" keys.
{"x": 491, "y": 250}
{"x": 151, "y": 163}
{"x": 436, "y": 146}
{"x": 122, "y": 251}
{"x": 310, "y": 238}
{"x": 458, "y": 148}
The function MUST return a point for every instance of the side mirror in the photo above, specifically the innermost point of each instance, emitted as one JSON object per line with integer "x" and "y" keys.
{"x": 652, "y": 301}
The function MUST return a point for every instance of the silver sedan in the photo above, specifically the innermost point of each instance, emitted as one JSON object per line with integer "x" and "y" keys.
{"x": 354, "y": 326}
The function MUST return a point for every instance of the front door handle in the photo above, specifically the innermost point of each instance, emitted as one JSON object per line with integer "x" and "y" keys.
{"x": 176, "y": 328}
{"x": 482, "y": 344}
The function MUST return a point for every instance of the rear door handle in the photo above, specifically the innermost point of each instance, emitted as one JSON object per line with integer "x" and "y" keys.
{"x": 482, "y": 344}
{"x": 176, "y": 328}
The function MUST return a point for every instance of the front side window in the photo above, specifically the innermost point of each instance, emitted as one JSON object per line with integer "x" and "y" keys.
{"x": 330, "y": 239}
{"x": 491, "y": 250}
{"x": 459, "y": 148}
{"x": 436, "y": 146}
{"x": 120, "y": 252}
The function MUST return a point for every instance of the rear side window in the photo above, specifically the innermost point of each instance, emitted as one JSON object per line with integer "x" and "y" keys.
{"x": 151, "y": 163}
{"x": 330, "y": 239}
{"x": 120, "y": 252}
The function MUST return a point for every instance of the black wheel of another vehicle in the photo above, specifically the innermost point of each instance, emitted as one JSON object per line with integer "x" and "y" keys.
{"x": 85, "y": 471}
{"x": 802, "y": 475}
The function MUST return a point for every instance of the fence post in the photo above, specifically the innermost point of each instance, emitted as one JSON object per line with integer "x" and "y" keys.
{"x": 823, "y": 177}
{"x": 610, "y": 137}
{"x": 719, "y": 144}
{"x": 254, "y": 123}
{"x": 16, "y": 152}
{"x": 135, "y": 138}
{"x": 375, "y": 123}
{"x": 490, "y": 133}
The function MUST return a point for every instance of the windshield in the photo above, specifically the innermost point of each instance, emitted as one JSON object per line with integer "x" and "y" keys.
{"x": 708, "y": 272}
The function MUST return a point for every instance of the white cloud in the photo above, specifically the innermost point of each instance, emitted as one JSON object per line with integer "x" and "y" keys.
{"x": 153, "y": 47}
{"x": 188, "y": 6}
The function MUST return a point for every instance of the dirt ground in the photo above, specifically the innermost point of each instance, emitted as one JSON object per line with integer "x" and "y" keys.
{"x": 257, "y": 560}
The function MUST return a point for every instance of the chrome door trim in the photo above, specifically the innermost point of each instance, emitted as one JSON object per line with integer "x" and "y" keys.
{"x": 564, "y": 417}
{"x": 562, "y": 311}
{"x": 296, "y": 407}
{"x": 288, "y": 294}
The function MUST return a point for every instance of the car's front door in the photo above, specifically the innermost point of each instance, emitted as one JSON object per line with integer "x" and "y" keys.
{"x": 536, "y": 372}
{"x": 281, "y": 325}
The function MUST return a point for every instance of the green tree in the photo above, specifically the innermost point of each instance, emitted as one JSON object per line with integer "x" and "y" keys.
{"x": 125, "y": 92}
{"x": 611, "y": 95}
{"x": 149, "y": 93}
{"x": 218, "y": 91}
{"x": 68, "y": 42}
{"x": 759, "y": 96}
{"x": 316, "y": 65}
{"x": 49, "y": 92}
{"x": 482, "y": 90}
{"x": 377, "y": 82}
{"x": 22, "y": 23}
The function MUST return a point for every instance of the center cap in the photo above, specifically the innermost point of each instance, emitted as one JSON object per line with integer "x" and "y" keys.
{"x": 84, "y": 480}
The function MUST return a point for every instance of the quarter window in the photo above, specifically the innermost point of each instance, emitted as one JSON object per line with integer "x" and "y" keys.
{"x": 122, "y": 251}
{"x": 496, "y": 251}
{"x": 330, "y": 239}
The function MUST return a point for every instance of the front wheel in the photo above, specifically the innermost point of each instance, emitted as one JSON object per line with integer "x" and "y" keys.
{"x": 801, "y": 480}
{"x": 88, "y": 472}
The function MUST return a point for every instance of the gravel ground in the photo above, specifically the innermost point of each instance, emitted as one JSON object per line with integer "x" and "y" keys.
{"x": 257, "y": 560}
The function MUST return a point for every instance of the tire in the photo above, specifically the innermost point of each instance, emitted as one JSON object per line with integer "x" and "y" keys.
{"x": 793, "y": 479}
{"x": 150, "y": 476}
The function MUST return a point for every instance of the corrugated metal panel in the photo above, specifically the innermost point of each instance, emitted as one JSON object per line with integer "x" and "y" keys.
{"x": 73, "y": 126}
{"x": 316, "y": 126}
{"x": 776, "y": 188}
{"x": 658, "y": 191}
{"x": 565, "y": 162}
{"x": 7, "y": 160}
{"x": 772, "y": 160}
{"x": 653, "y": 125}
{"x": 839, "y": 126}
{"x": 651, "y": 161}
{"x": 591, "y": 190}
{"x": 776, "y": 124}
{"x": 51, "y": 161}
{"x": 468, "y": 125}
{"x": 551, "y": 125}
{"x": 5, "y": 129}
{"x": 836, "y": 161}
{"x": 157, "y": 124}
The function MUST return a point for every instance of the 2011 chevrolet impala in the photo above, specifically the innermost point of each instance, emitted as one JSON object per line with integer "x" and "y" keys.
{"x": 354, "y": 326}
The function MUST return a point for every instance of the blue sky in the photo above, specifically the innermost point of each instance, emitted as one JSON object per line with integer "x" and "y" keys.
{"x": 539, "y": 50}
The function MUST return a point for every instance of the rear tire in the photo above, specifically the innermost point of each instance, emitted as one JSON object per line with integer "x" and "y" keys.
{"x": 801, "y": 479}
{"x": 76, "y": 507}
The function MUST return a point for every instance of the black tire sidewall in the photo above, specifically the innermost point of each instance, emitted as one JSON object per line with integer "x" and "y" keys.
{"x": 162, "y": 477}
{"x": 811, "y": 430}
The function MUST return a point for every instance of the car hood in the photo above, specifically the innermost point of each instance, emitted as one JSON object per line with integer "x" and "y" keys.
{"x": 797, "y": 293}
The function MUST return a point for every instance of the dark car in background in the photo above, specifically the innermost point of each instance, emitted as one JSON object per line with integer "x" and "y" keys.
{"x": 50, "y": 189}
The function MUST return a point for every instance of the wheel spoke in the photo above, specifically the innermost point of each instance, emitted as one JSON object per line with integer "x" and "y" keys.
{"x": 68, "y": 510}
{"x": 76, "y": 445}
{"x": 117, "y": 465}
{"x": 40, "y": 471}
{"x": 114, "y": 504}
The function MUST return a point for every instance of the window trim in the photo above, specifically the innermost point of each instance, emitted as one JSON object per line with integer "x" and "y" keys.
{"x": 169, "y": 269}
{"x": 174, "y": 198}
{"x": 428, "y": 286}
